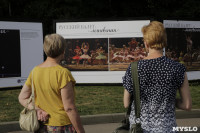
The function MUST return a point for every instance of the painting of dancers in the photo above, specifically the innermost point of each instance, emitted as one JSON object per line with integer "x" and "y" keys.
{"x": 123, "y": 51}
{"x": 184, "y": 47}
{"x": 88, "y": 54}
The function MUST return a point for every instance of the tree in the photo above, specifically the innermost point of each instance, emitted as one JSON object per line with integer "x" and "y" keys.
{"x": 46, "y": 11}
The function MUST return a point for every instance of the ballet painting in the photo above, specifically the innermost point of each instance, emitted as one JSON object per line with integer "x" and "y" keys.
{"x": 88, "y": 54}
{"x": 183, "y": 46}
{"x": 123, "y": 51}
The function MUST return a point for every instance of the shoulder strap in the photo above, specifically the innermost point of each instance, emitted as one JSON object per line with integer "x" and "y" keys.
{"x": 33, "y": 93}
{"x": 136, "y": 90}
{"x": 32, "y": 97}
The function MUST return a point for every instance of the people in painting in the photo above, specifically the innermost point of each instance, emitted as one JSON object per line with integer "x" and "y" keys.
{"x": 168, "y": 53}
{"x": 181, "y": 58}
{"x": 85, "y": 56}
{"x": 160, "y": 78}
{"x": 133, "y": 44}
{"x": 188, "y": 59}
{"x": 101, "y": 55}
{"x": 54, "y": 91}
{"x": 77, "y": 57}
{"x": 189, "y": 43}
{"x": 125, "y": 54}
{"x": 184, "y": 58}
{"x": 93, "y": 55}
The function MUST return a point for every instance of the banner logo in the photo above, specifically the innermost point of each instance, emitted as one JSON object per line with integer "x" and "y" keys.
{"x": 191, "y": 129}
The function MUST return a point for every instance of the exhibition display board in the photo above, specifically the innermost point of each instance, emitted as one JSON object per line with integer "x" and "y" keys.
{"x": 184, "y": 45}
{"x": 20, "y": 50}
{"x": 97, "y": 51}
{"x": 101, "y": 51}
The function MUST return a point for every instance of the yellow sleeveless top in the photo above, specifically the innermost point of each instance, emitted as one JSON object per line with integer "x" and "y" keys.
{"x": 48, "y": 82}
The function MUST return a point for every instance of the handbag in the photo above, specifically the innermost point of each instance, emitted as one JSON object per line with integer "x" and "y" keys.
{"x": 28, "y": 120}
{"x": 125, "y": 127}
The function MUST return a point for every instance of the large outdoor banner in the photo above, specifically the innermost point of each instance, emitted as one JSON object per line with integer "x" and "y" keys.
{"x": 100, "y": 52}
{"x": 20, "y": 50}
{"x": 184, "y": 44}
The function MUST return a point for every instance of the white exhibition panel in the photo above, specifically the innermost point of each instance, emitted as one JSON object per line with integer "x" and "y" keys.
{"x": 181, "y": 24}
{"x": 99, "y": 76}
{"x": 192, "y": 75}
{"x": 102, "y": 29}
{"x": 31, "y": 44}
{"x": 114, "y": 77}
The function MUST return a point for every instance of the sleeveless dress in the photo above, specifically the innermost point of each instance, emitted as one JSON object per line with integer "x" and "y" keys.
{"x": 159, "y": 80}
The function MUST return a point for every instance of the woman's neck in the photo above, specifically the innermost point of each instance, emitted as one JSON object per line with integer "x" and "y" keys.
{"x": 49, "y": 62}
{"x": 53, "y": 60}
{"x": 153, "y": 53}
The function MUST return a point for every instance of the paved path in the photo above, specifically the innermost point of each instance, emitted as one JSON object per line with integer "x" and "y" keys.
{"x": 109, "y": 127}
{"x": 106, "y": 123}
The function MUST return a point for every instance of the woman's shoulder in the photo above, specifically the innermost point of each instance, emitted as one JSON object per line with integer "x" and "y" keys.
{"x": 62, "y": 69}
{"x": 56, "y": 68}
{"x": 175, "y": 63}
{"x": 163, "y": 60}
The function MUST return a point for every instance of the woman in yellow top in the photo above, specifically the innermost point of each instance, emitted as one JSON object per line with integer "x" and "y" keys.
{"x": 54, "y": 90}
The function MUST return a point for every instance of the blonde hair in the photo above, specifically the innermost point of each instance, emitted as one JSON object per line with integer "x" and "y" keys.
{"x": 54, "y": 45}
{"x": 155, "y": 35}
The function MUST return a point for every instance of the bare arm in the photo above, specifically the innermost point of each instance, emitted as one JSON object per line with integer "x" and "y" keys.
{"x": 126, "y": 100}
{"x": 23, "y": 99}
{"x": 24, "y": 96}
{"x": 185, "y": 102}
{"x": 67, "y": 94}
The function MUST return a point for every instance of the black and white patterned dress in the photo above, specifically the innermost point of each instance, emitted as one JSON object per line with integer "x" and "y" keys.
{"x": 159, "y": 80}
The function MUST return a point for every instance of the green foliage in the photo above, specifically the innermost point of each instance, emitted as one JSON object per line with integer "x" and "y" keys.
{"x": 48, "y": 10}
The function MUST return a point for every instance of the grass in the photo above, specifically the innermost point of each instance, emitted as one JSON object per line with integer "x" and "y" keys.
{"x": 99, "y": 99}
{"x": 9, "y": 105}
{"x": 90, "y": 100}
{"x": 195, "y": 93}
